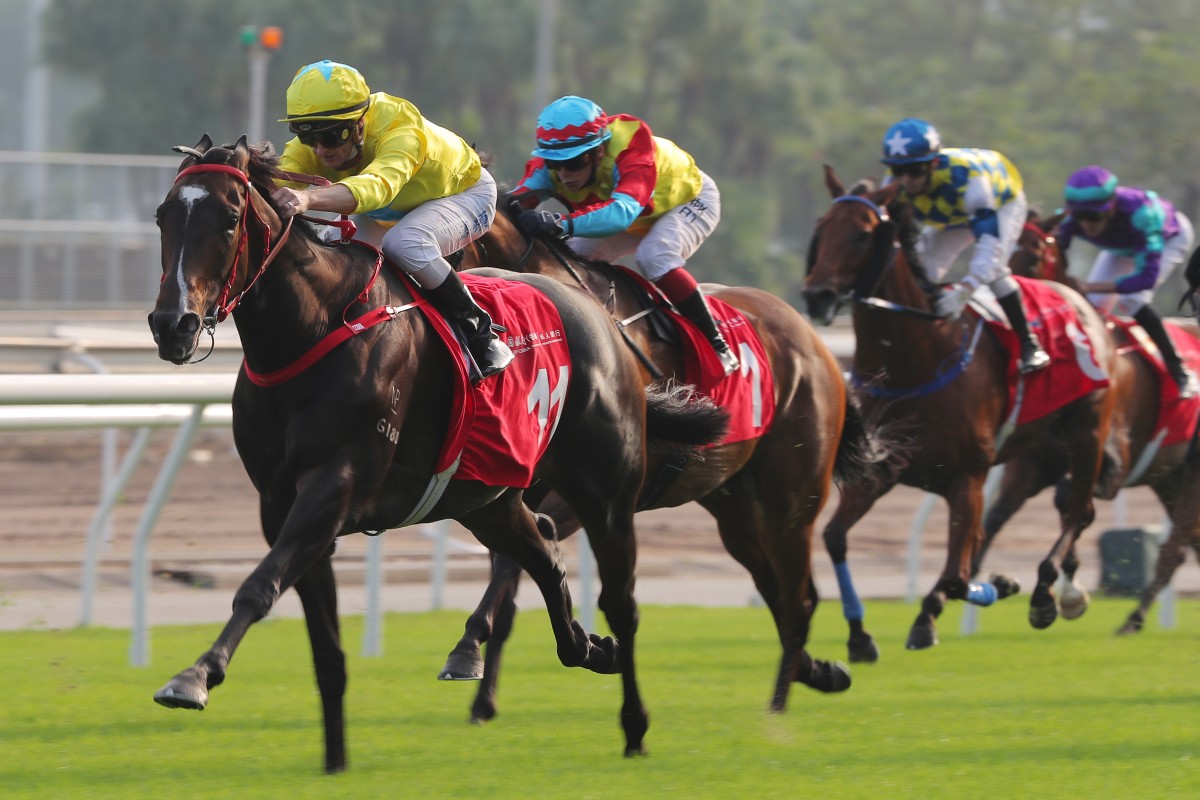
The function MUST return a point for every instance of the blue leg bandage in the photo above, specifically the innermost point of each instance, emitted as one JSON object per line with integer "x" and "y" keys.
{"x": 852, "y": 607}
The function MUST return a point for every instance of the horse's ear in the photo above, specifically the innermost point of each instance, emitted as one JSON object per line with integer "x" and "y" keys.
{"x": 196, "y": 152}
{"x": 836, "y": 189}
{"x": 887, "y": 194}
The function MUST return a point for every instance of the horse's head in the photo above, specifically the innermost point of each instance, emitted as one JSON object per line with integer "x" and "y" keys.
{"x": 851, "y": 247}
{"x": 204, "y": 251}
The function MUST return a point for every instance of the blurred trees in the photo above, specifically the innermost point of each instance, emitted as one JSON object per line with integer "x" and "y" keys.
{"x": 761, "y": 92}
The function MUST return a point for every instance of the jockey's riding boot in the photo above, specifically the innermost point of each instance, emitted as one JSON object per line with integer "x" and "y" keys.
{"x": 1152, "y": 324}
{"x": 460, "y": 310}
{"x": 695, "y": 309}
{"x": 1033, "y": 357}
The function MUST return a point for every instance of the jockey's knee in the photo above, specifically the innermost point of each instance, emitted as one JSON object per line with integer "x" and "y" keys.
{"x": 1004, "y": 286}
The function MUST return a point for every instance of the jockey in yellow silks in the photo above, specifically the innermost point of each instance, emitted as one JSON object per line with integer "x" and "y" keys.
{"x": 417, "y": 190}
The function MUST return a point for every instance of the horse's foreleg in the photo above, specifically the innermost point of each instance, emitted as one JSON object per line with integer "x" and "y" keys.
{"x": 852, "y": 506}
{"x": 306, "y": 537}
{"x": 318, "y": 595}
{"x": 965, "y": 500}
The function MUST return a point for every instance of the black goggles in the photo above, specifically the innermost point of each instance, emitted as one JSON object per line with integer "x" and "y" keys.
{"x": 571, "y": 164}
{"x": 329, "y": 137}
{"x": 911, "y": 170}
{"x": 1088, "y": 216}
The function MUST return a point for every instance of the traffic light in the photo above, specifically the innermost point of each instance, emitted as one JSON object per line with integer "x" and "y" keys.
{"x": 269, "y": 37}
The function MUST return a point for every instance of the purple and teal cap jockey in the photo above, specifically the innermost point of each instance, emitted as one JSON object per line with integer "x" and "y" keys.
{"x": 911, "y": 141}
{"x": 1090, "y": 189}
{"x": 570, "y": 126}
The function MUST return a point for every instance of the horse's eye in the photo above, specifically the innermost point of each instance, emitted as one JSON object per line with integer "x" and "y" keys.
{"x": 862, "y": 237}
{"x": 231, "y": 222}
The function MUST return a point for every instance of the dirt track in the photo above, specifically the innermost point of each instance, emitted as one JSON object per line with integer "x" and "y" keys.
{"x": 208, "y": 532}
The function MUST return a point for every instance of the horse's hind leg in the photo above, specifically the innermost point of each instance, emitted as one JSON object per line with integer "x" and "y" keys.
{"x": 465, "y": 661}
{"x": 1184, "y": 508}
{"x": 773, "y": 541}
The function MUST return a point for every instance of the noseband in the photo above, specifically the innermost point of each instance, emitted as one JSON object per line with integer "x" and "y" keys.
{"x": 223, "y": 309}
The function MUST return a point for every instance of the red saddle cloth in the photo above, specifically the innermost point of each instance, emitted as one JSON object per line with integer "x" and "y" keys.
{"x": 1176, "y": 415}
{"x": 503, "y": 425}
{"x": 1073, "y": 370}
{"x": 748, "y": 394}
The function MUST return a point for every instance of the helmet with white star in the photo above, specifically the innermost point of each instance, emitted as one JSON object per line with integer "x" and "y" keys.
{"x": 1090, "y": 189}
{"x": 911, "y": 141}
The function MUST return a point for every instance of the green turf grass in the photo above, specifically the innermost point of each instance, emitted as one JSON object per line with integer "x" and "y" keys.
{"x": 1070, "y": 712}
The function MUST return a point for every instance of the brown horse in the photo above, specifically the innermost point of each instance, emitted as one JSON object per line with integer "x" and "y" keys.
{"x": 1134, "y": 455}
{"x": 339, "y": 421}
{"x": 948, "y": 383}
{"x": 765, "y": 492}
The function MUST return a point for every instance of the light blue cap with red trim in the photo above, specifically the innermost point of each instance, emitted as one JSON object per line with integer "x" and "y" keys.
{"x": 570, "y": 126}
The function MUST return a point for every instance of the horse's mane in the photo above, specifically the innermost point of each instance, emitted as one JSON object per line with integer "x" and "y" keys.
{"x": 264, "y": 161}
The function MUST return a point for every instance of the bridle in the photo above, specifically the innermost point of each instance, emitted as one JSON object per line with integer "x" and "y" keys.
{"x": 223, "y": 305}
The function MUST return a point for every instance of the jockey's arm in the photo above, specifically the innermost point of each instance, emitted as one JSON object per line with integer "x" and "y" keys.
{"x": 336, "y": 198}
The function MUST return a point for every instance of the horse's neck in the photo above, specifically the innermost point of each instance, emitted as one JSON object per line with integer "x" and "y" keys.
{"x": 301, "y": 297}
{"x": 885, "y": 336}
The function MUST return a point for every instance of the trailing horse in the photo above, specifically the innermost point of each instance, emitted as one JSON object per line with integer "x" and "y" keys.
{"x": 351, "y": 407}
{"x": 1151, "y": 442}
{"x": 764, "y": 485}
{"x": 948, "y": 382}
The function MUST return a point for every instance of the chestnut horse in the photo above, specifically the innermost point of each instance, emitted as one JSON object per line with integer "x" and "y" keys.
{"x": 765, "y": 493}
{"x": 339, "y": 422}
{"x": 922, "y": 370}
{"x": 1134, "y": 455}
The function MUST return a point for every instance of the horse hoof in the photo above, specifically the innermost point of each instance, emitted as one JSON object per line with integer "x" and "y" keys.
{"x": 1072, "y": 604}
{"x": 635, "y": 750}
{"x": 862, "y": 649}
{"x": 1005, "y": 586}
{"x": 837, "y": 677}
{"x": 1042, "y": 617}
{"x": 462, "y": 667}
{"x": 1132, "y": 625}
{"x": 178, "y": 695}
{"x": 921, "y": 639}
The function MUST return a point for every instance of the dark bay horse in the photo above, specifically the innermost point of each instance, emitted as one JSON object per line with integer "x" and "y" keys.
{"x": 348, "y": 441}
{"x": 765, "y": 493}
{"x": 1134, "y": 454}
{"x": 919, "y": 370}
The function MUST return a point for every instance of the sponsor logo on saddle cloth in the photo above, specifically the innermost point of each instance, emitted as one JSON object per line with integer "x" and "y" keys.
{"x": 503, "y": 425}
{"x": 1177, "y": 417}
{"x": 1073, "y": 370}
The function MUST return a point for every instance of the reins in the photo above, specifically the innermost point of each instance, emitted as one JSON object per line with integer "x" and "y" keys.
{"x": 867, "y": 299}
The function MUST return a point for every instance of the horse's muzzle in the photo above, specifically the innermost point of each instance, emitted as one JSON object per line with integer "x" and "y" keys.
{"x": 821, "y": 304}
{"x": 175, "y": 334}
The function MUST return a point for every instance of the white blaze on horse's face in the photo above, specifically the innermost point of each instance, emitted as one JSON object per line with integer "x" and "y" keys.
{"x": 190, "y": 195}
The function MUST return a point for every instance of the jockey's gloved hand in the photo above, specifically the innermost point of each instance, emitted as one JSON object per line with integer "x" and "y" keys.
{"x": 953, "y": 298}
{"x": 540, "y": 222}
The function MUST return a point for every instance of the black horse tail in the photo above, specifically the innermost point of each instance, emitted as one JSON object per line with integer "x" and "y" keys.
{"x": 677, "y": 416}
{"x": 871, "y": 453}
